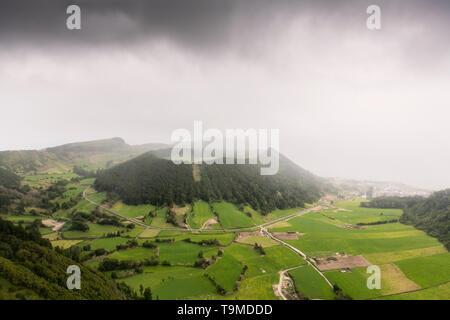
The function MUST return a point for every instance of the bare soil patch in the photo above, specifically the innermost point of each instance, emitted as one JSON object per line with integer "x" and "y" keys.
{"x": 244, "y": 235}
{"x": 349, "y": 226}
{"x": 55, "y": 225}
{"x": 208, "y": 223}
{"x": 341, "y": 262}
{"x": 287, "y": 235}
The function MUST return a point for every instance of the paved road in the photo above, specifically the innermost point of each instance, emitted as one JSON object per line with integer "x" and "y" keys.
{"x": 308, "y": 260}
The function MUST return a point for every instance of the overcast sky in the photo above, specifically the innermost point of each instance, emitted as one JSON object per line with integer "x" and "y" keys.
{"x": 349, "y": 102}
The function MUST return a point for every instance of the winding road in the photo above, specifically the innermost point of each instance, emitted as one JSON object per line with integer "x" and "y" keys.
{"x": 261, "y": 226}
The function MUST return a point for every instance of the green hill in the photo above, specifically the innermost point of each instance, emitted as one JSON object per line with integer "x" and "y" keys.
{"x": 91, "y": 154}
{"x": 431, "y": 215}
{"x": 153, "y": 180}
{"x": 31, "y": 269}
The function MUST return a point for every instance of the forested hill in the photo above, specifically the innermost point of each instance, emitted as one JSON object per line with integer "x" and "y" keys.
{"x": 150, "y": 179}
{"x": 9, "y": 179}
{"x": 31, "y": 269}
{"x": 431, "y": 215}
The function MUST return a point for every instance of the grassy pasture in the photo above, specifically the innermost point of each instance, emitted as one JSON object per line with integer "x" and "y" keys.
{"x": 132, "y": 211}
{"x": 137, "y": 254}
{"x": 173, "y": 282}
{"x": 133, "y": 233}
{"x": 64, "y": 244}
{"x": 393, "y": 280}
{"x": 310, "y": 282}
{"x": 323, "y": 237}
{"x": 149, "y": 233}
{"x": 108, "y": 244}
{"x": 275, "y": 259}
{"x": 265, "y": 242}
{"x": 44, "y": 180}
{"x": 88, "y": 181}
{"x": 223, "y": 239}
{"x": 160, "y": 219}
{"x": 441, "y": 292}
{"x": 427, "y": 271}
{"x": 225, "y": 272}
{"x": 200, "y": 214}
{"x": 388, "y": 257}
{"x": 230, "y": 216}
{"x": 181, "y": 252}
{"x": 25, "y": 219}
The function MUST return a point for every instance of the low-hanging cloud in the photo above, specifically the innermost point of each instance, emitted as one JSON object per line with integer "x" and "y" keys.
{"x": 348, "y": 101}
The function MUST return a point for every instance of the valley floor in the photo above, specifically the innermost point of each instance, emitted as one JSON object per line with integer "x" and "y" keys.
{"x": 220, "y": 251}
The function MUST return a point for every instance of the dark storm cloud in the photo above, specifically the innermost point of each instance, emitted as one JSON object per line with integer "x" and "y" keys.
{"x": 205, "y": 24}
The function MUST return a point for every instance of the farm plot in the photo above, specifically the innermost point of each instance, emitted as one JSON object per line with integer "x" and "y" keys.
{"x": 324, "y": 238}
{"x": 200, "y": 214}
{"x": 225, "y": 272}
{"x": 133, "y": 211}
{"x": 136, "y": 254}
{"x": 181, "y": 252}
{"x": 309, "y": 282}
{"x": 427, "y": 271}
{"x": 230, "y": 216}
{"x": 173, "y": 283}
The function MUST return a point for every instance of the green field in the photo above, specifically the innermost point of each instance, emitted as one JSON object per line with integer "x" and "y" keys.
{"x": 136, "y": 254}
{"x": 174, "y": 283}
{"x": 160, "y": 219}
{"x": 181, "y": 252}
{"x": 225, "y": 272}
{"x": 309, "y": 282}
{"x": 132, "y": 211}
{"x": 230, "y": 216}
{"x": 108, "y": 244}
{"x": 435, "y": 293}
{"x": 200, "y": 214}
{"x": 427, "y": 271}
{"x": 324, "y": 237}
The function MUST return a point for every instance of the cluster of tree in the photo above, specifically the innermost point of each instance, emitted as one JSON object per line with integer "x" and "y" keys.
{"x": 28, "y": 261}
{"x": 377, "y": 222}
{"x": 340, "y": 295}
{"x": 128, "y": 245}
{"x": 391, "y": 202}
{"x": 431, "y": 215}
{"x": 9, "y": 179}
{"x": 171, "y": 217}
{"x": 85, "y": 173}
{"x": 113, "y": 264}
{"x": 148, "y": 179}
{"x": 80, "y": 220}
{"x": 149, "y": 244}
{"x": 258, "y": 248}
{"x": 205, "y": 242}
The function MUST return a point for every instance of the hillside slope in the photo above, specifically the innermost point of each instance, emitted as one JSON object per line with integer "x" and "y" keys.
{"x": 31, "y": 269}
{"x": 431, "y": 215}
{"x": 93, "y": 154}
{"x": 149, "y": 179}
